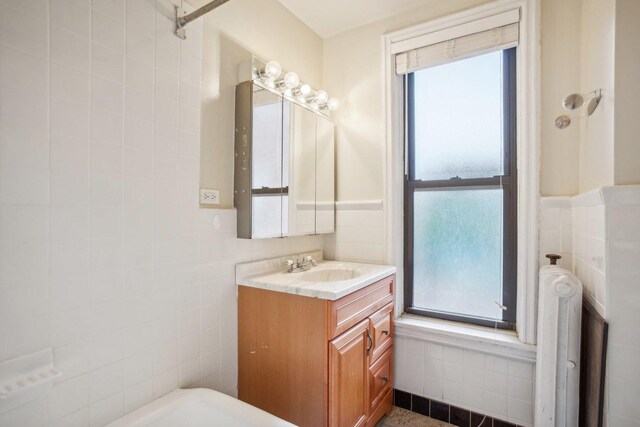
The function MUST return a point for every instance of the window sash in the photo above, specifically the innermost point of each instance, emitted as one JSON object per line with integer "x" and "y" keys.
{"x": 508, "y": 182}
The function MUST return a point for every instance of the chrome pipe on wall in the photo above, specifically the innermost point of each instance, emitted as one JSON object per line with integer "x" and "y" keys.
{"x": 182, "y": 18}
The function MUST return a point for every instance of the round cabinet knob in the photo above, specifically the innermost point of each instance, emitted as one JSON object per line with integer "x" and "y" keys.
{"x": 384, "y": 379}
{"x": 385, "y": 332}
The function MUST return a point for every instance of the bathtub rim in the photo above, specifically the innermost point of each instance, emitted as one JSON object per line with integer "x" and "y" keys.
{"x": 174, "y": 397}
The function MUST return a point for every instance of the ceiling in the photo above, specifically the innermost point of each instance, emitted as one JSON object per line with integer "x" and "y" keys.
{"x": 330, "y": 17}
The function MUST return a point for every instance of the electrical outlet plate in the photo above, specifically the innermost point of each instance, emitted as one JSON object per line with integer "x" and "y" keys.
{"x": 209, "y": 197}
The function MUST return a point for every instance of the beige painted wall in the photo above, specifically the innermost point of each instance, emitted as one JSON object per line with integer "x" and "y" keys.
{"x": 560, "y": 75}
{"x": 627, "y": 93}
{"x": 353, "y": 71}
{"x": 607, "y": 145}
{"x": 597, "y": 71}
{"x": 231, "y": 34}
{"x": 610, "y": 59}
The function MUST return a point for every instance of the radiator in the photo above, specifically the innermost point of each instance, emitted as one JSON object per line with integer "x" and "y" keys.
{"x": 558, "y": 354}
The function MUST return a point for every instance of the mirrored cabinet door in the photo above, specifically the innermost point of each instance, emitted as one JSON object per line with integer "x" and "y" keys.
{"x": 325, "y": 172}
{"x": 302, "y": 171}
{"x": 267, "y": 124}
{"x": 266, "y": 171}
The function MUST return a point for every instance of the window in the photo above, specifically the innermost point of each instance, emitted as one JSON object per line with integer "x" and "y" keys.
{"x": 460, "y": 190}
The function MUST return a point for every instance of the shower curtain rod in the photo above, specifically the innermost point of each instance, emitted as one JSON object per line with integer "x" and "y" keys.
{"x": 182, "y": 18}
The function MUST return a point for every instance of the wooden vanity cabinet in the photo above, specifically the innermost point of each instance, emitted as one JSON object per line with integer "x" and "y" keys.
{"x": 316, "y": 362}
{"x": 348, "y": 377}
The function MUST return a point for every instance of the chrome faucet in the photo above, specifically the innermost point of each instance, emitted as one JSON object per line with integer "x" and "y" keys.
{"x": 297, "y": 265}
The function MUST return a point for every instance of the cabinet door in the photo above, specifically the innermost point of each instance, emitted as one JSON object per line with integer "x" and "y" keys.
{"x": 301, "y": 199}
{"x": 325, "y": 176}
{"x": 349, "y": 377}
{"x": 265, "y": 163}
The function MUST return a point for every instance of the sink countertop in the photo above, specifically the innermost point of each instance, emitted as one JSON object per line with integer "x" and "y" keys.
{"x": 295, "y": 283}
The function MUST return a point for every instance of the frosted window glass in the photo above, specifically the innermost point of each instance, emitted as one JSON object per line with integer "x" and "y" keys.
{"x": 266, "y": 216}
{"x": 458, "y": 251}
{"x": 459, "y": 120}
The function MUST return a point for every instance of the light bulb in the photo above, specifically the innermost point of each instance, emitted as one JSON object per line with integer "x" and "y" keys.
{"x": 299, "y": 92}
{"x": 333, "y": 104}
{"x": 321, "y": 97}
{"x": 269, "y": 82}
{"x": 305, "y": 89}
{"x": 272, "y": 69}
{"x": 291, "y": 80}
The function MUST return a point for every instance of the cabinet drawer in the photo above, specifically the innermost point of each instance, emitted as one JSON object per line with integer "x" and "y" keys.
{"x": 380, "y": 378}
{"x": 381, "y": 331}
{"x": 355, "y": 307}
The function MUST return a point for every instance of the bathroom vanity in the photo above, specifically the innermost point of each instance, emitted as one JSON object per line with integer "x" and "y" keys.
{"x": 316, "y": 347}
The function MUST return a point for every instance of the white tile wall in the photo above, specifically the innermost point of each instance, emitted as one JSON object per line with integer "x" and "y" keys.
{"x": 104, "y": 253}
{"x": 622, "y": 253}
{"x": 360, "y": 236}
{"x": 589, "y": 253}
{"x": 575, "y": 229}
{"x": 556, "y": 230}
{"x": 485, "y": 383}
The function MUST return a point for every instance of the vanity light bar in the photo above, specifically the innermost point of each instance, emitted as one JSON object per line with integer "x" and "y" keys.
{"x": 272, "y": 75}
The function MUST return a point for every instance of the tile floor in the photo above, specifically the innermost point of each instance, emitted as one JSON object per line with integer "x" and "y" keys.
{"x": 403, "y": 418}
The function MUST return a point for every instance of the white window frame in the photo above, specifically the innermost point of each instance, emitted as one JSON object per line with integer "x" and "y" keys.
{"x": 528, "y": 146}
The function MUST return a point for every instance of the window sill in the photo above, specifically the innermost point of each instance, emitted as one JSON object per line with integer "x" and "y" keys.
{"x": 487, "y": 340}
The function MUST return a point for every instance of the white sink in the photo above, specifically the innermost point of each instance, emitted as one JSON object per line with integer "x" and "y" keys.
{"x": 329, "y": 280}
{"x": 329, "y": 275}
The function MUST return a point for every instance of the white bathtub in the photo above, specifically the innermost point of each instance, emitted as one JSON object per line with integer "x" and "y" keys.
{"x": 198, "y": 408}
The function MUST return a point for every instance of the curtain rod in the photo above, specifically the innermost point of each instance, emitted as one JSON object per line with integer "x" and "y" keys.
{"x": 182, "y": 18}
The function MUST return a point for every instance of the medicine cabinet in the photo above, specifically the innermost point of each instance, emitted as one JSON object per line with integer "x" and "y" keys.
{"x": 284, "y": 165}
